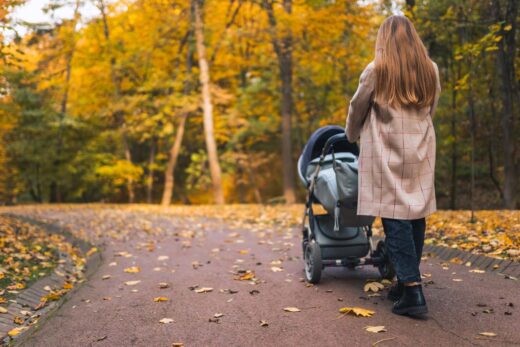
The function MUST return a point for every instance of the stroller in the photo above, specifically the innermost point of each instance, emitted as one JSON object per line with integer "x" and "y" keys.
{"x": 328, "y": 169}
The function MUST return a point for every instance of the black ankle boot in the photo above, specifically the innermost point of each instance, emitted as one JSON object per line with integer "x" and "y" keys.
{"x": 396, "y": 291}
{"x": 412, "y": 302}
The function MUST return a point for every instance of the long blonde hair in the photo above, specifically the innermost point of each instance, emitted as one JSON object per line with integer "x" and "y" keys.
{"x": 405, "y": 75}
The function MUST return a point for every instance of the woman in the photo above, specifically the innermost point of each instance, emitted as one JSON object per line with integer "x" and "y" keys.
{"x": 392, "y": 111}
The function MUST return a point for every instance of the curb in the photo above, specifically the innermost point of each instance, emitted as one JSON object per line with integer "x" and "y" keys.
{"x": 504, "y": 267}
{"x": 30, "y": 297}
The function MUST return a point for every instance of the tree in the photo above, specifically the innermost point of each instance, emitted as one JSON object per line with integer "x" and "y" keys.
{"x": 207, "y": 106}
{"x": 506, "y": 66}
{"x": 283, "y": 49}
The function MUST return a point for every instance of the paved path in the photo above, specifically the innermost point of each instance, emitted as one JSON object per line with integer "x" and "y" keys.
{"x": 209, "y": 253}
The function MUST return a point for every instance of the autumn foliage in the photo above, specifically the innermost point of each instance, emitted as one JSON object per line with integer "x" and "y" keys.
{"x": 116, "y": 107}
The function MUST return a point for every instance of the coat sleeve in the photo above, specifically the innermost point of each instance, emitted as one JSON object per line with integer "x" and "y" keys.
{"x": 360, "y": 104}
{"x": 437, "y": 91}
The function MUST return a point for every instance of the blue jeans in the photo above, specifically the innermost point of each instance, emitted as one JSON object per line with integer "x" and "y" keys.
{"x": 404, "y": 243}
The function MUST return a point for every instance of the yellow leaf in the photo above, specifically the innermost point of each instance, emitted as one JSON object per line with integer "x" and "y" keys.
{"x": 68, "y": 286}
{"x": 160, "y": 299}
{"x": 358, "y": 311}
{"x": 133, "y": 269}
{"x": 3, "y": 309}
{"x": 16, "y": 331}
{"x": 91, "y": 251}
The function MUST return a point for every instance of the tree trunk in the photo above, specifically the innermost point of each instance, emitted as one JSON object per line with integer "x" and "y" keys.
{"x": 55, "y": 193}
{"x": 283, "y": 50}
{"x": 207, "y": 106}
{"x": 169, "y": 178}
{"x": 505, "y": 61}
{"x": 120, "y": 121}
{"x": 149, "y": 180}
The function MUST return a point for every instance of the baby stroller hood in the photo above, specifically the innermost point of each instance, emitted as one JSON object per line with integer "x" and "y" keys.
{"x": 314, "y": 147}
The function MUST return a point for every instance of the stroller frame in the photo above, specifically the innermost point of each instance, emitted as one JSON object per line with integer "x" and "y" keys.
{"x": 312, "y": 233}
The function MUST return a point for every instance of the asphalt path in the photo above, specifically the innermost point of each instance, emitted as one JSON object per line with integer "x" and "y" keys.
{"x": 188, "y": 254}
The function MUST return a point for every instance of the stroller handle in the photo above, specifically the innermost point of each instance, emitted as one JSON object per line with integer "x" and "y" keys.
{"x": 342, "y": 137}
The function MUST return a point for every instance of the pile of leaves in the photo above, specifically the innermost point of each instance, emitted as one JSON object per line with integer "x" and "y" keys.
{"x": 27, "y": 252}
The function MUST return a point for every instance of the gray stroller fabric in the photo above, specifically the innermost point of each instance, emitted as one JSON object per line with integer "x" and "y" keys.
{"x": 336, "y": 188}
{"x": 337, "y": 181}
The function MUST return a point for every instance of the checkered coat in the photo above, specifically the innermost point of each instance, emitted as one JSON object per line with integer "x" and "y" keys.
{"x": 397, "y": 159}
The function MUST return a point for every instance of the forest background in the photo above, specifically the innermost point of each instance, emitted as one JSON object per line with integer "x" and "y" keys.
{"x": 190, "y": 101}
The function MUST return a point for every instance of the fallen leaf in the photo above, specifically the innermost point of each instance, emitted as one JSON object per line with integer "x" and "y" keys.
{"x": 375, "y": 329}
{"x": 132, "y": 283}
{"x": 276, "y": 269}
{"x": 3, "y": 310}
{"x": 203, "y": 290}
{"x": 164, "y": 285}
{"x": 106, "y": 277}
{"x": 218, "y": 315}
{"x": 133, "y": 269}
{"x": 263, "y": 323}
{"x": 243, "y": 251}
{"x": 373, "y": 287}
{"x": 457, "y": 280}
{"x": 358, "y": 311}
{"x": 160, "y": 299}
{"x": 16, "y": 331}
{"x": 487, "y": 333}
{"x": 291, "y": 309}
{"x": 166, "y": 321}
{"x": 177, "y": 344}
{"x": 91, "y": 251}
{"x": 163, "y": 257}
{"x": 477, "y": 271}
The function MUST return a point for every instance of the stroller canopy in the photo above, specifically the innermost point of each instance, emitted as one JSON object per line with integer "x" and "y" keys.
{"x": 314, "y": 146}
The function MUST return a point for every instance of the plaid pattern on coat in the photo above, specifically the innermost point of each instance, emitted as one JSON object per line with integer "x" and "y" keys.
{"x": 397, "y": 158}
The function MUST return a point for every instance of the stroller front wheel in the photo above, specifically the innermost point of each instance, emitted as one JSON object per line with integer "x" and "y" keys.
{"x": 313, "y": 263}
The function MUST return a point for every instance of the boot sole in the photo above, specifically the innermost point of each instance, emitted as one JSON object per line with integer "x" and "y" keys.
{"x": 411, "y": 311}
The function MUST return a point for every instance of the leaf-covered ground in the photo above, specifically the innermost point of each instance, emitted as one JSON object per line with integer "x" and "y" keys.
{"x": 494, "y": 233}
{"x": 232, "y": 275}
{"x": 27, "y": 253}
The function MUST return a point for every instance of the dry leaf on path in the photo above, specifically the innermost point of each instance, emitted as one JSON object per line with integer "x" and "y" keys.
{"x": 203, "y": 290}
{"x": 133, "y": 269}
{"x": 477, "y": 271}
{"x": 163, "y": 257}
{"x": 3, "y": 309}
{"x": 163, "y": 285}
{"x": 132, "y": 283}
{"x": 166, "y": 321}
{"x": 373, "y": 287}
{"x": 487, "y": 333}
{"x": 276, "y": 269}
{"x": 160, "y": 299}
{"x": 375, "y": 328}
{"x": 106, "y": 277}
{"x": 291, "y": 309}
{"x": 358, "y": 311}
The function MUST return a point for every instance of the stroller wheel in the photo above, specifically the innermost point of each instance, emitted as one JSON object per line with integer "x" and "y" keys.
{"x": 313, "y": 264}
{"x": 386, "y": 270}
